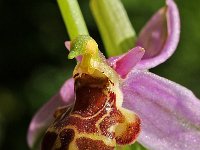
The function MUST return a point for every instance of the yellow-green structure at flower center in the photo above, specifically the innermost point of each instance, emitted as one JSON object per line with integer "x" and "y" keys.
{"x": 97, "y": 120}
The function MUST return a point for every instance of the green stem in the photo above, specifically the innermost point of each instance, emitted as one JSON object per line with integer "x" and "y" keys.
{"x": 116, "y": 30}
{"x": 73, "y": 18}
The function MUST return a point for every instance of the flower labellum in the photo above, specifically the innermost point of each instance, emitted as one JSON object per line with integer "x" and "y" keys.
{"x": 97, "y": 119}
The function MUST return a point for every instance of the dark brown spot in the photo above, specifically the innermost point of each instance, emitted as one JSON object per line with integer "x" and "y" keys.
{"x": 66, "y": 137}
{"x": 48, "y": 140}
{"x": 89, "y": 144}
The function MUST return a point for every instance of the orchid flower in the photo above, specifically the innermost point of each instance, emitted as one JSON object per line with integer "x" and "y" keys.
{"x": 169, "y": 113}
{"x": 97, "y": 119}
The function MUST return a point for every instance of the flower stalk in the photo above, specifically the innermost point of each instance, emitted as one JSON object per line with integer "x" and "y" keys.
{"x": 115, "y": 28}
{"x": 72, "y": 18}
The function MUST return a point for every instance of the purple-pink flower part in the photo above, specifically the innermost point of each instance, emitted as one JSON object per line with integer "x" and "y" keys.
{"x": 160, "y": 36}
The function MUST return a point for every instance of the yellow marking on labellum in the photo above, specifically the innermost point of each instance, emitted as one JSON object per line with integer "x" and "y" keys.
{"x": 105, "y": 140}
{"x": 101, "y": 119}
{"x": 97, "y": 120}
{"x": 92, "y": 136}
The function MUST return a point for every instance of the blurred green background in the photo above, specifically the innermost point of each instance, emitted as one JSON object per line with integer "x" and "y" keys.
{"x": 33, "y": 59}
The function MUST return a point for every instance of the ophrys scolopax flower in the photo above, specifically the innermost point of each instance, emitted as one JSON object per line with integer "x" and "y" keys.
{"x": 97, "y": 119}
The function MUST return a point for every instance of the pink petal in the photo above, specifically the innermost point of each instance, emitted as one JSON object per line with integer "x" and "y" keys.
{"x": 44, "y": 116}
{"x": 170, "y": 113}
{"x": 67, "y": 45}
{"x": 160, "y": 36}
{"x": 124, "y": 64}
